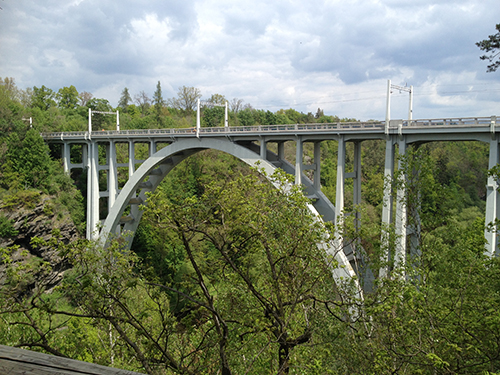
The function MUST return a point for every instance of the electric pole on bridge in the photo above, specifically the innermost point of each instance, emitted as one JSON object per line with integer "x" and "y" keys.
{"x": 209, "y": 104}
{"x": 104, "y": 113}
{"x": 388, "y": 109}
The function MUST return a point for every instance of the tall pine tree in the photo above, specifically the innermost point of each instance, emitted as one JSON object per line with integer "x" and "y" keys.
{"x": 159, "y": 103}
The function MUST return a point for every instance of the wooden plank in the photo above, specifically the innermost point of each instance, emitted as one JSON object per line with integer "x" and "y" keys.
{"x": 14, "y": 361}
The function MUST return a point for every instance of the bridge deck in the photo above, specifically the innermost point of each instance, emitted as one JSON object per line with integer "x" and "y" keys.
{"x": 377, "y": 129}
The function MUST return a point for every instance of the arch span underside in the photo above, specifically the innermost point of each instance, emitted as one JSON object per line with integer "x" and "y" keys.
{"x": 150, "y": 174}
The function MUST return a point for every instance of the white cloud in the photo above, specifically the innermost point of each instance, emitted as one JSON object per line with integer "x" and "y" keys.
{"x": 335, "y": 54}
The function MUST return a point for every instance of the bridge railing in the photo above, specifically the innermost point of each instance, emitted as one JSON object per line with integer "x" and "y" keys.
{"x": 464, "y": 121}
{"x": 368, "y": 125}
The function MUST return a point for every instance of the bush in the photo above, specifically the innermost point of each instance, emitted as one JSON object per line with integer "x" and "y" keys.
{"x": 7, "y": 229}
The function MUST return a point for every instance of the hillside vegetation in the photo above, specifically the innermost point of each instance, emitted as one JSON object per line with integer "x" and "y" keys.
{"x": 225, "y": 275}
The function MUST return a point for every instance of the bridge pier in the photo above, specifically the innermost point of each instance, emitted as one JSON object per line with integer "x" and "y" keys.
{"x": 299, "y": 154}
{"x": 93, "y": 196}
{"x": 394, "y": 249}
{"x": 492, "y": 200}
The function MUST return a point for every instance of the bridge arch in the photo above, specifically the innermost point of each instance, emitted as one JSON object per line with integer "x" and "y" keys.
{"x": 156, "y": 168}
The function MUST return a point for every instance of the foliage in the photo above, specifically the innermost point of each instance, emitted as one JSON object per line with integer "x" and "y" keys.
{"x": 67, "y": 97}
{"x": 159, "y": 103}
{"x": 186, "y": 100}
{"x": 225, "y": 276}
{"x": 7, "y": 227}
{"x": 492, "y": 44}
{"x": 125, "y": 99}
{"x": 43, "y": 98}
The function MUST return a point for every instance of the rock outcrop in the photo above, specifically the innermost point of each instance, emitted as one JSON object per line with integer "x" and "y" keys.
{"x": 38, "y": 221}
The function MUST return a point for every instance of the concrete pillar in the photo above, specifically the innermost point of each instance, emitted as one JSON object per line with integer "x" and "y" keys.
{"x": 263, "y": 149}
{"x": 387, "y": 208}
{"x": 152, "y": 148}
{"x": 317, "y": 163}
{"x": 357, "y": 174}
{"x": 92, "y": 190}
{"x": 281, "y": 150}
{"x": 298, "y": 161}
{"x": 131, "y": 158}
{"x": 66, "y": 155}
{"x": 401, "y": 212}
{"x": 492, "y": 200}
{"x": 339, "y": 196}
{"x": 112, "y": 174}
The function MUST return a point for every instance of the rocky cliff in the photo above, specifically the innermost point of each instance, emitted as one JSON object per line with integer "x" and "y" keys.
{"x": 38, "y": 220}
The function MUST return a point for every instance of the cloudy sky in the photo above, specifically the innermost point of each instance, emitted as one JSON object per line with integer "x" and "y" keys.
{"x": 332, "y": 54}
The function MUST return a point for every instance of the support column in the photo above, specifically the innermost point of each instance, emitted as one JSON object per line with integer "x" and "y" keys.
{"x": 492, "y": 200}
{"x": 66, "y": 154}
{"x": 92, "y": 190}
{"x": 339, "y": 196}
{"x": 401, "y": 212}
{"x": 263, "y": 149}
{"x": 131, "y": 158}
{"x": 112, "y": 174}
{"x": 152, "y": 148}
{"x": 357, "y": 175}
{"x": 281, "y": 150}
{"x": 298, "y": 161}
{"x": 387, "y": 208}
{"x": 317, "y": 163}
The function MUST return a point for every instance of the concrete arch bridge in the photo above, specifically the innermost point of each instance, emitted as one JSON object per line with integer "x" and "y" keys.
{"x": 168, "y": 147}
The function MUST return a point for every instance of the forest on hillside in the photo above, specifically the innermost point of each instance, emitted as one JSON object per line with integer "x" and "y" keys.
{"x": 225, "y": 275}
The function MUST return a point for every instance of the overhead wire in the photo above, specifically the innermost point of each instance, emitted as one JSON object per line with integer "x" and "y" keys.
{"x": 381, "y": 96}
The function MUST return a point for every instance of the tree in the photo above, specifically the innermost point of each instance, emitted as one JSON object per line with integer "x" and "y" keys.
{"x": 319, "y": 114}
{"x": 492, "y": 44}
{"x": 125, "y": 99}
{"x": 236, "y": 105}
{"x": 67, "y": 97}
{"x": 29, "y": 159}
{"x": 254, "y": 293}
{"x": 10, "y": 87}
{"x": 159, "y": 103}
{"x": 85, "y": 97}
{"x": 256, "y": 249}
{"x": 143, "y": 101}
{"x": 43, "y": 98}
{"x": 187, "y": 99}
{"x": 218, "y": 99}
{"x": 99, "y": 119}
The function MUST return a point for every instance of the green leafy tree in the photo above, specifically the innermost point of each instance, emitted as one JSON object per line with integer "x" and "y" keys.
{"x": 159, "y": 104}
{"x": 263, "y": 241}
{"x": 43, "y": 98}
{"x": 256, "y": 290}
{"x": 213, "y": 116}
{"x": 245, "y": 117}
{"x": 99, "y": 120}
{"x": 218, "y": 99}
{"x": 29, "y": 159}
{"x": 67, "y": 97}
{"x": 492, "y": 46}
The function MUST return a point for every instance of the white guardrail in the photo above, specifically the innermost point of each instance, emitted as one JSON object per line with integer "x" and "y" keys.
{"x": 368, "y": 125}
